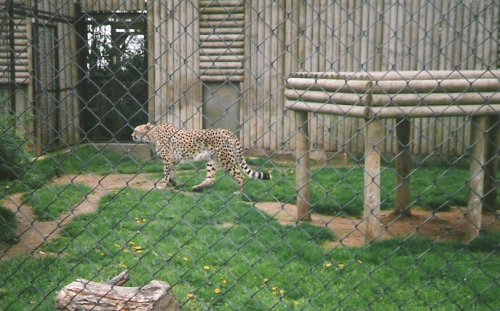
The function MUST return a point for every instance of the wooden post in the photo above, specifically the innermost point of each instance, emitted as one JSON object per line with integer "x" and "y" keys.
{"x": 490, "y": 182}
{"x": 476, "y": 182}
{"x": 371, "y": 214}
{"x": 403, "y": 166}
{"x": 302, "y": 167}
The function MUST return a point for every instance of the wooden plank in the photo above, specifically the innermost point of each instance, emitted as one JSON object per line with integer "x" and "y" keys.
{"x": 303, "y": 171}
{"x": 491, "y": 167}
{"x": 403, "y": 168}
{"x": 151, "y": 42}
{"x": 371, "y": 223}
{"x": 477, "y": 177}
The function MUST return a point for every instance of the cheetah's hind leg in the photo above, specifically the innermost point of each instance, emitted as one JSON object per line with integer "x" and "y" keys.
{"x": 210, "y": 179}
{"x": 167, "y": 181}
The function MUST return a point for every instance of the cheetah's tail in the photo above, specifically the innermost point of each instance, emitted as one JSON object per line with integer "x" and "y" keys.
{"x": 253, "y": 174}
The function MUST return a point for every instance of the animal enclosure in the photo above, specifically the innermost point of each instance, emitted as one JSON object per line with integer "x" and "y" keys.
{"x": 79, "y": 200}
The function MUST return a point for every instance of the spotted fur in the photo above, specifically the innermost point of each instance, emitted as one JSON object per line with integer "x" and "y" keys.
{"x": 219, "y": 147}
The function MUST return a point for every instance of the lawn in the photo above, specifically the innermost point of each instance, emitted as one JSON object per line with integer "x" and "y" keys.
{"x": 219, "y": 252}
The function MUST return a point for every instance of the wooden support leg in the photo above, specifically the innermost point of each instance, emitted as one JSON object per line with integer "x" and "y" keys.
{"x": 476, "y": 182}
{"x": 403, "y": 166}
{"x": 490, "y": 182}
{"x": 371, "y": 214}
{"x": 302, "y": 167}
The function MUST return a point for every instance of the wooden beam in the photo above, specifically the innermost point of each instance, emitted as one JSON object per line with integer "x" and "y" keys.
{"x": 302, "y": 166}
{"x": 403, "y": 167}
{"x": 371, "y": 215}
{"x": 490, "y": 182}
{"x": 476, "y": 182}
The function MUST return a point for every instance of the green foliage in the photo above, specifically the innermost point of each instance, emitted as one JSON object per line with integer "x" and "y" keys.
{"x": 339, "y": 190}
{"x": 8, "y": 225}
{"x": 50, "y": 202}
{"x": 14, "y": 159}
{"x": 199, "y": 243}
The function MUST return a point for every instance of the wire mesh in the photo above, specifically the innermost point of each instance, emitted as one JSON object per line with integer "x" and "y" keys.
{"x": 378, "y": 121}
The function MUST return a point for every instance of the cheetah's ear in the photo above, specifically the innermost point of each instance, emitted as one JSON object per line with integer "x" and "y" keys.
{"x": 149, "y": 126}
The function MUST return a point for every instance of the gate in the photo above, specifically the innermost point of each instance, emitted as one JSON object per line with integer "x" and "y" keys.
{"x": 116, "y": 90}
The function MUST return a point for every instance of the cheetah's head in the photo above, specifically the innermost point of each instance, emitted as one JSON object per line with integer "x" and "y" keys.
{"x": 140, "y": 133}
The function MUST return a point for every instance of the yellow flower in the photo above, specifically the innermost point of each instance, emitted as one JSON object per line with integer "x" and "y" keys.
{"x": 138, "y": 249}
{"x": 282, "y": 292}
{"x": 190, "y": 296}
{"x": 206, "y": 268}
{"x": 295, "y": 303}
{"x": 185, "y": 258}
{"x": 275, "y": 290}
{"x": 266, "y": 280}
{"x": 341, "y": 266}
{"x": 328, "y": 265}
{"x": 122, "y": 265}
{"x": 225, "y": 282}
{"x": 218, "y": 291}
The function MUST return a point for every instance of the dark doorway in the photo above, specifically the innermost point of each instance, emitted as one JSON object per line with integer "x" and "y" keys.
{"x": 116, "y": 90}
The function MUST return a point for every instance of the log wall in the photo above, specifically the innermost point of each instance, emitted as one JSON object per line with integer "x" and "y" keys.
{"x": 173, "y": 44}
{"x": 360, "y": 36}
{"x": 257, "y": 44}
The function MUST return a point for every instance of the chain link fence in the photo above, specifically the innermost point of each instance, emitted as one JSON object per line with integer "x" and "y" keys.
{"x": 378, "y": 121}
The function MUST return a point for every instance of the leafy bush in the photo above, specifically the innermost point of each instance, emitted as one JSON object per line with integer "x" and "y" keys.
{"x": 14, "y": 159}
{"x": 8, "y": 225}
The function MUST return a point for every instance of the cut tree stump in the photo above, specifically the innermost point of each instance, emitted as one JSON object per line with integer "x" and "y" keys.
{"x": 84, "y": 295}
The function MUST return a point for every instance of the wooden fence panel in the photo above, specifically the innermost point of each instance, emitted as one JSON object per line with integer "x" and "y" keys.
{"x": 175, "y": 85}
{"x": 398, "y": 35}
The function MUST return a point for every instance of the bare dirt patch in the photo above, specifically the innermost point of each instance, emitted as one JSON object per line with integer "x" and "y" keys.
{"x": 442, "y": 226}
{"x": 33, "y": 233}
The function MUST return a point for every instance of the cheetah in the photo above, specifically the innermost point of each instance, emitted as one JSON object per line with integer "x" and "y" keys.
{"x": 219, "y": 147}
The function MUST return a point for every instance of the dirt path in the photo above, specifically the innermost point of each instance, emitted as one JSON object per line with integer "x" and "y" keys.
{"x": 33, "y": 233}
{"x": 443, "y": 226}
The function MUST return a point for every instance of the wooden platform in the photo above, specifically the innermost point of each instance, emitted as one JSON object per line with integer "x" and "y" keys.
{"x": 400, "y": 95}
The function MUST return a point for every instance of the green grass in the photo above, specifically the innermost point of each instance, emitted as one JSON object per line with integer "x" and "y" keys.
{"x": 337, "y": 191}
{"x": 50, "y": 202}
{"x": 173, "y": 237}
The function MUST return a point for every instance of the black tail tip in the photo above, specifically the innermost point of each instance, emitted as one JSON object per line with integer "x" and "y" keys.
{"x": 266, "y": 176}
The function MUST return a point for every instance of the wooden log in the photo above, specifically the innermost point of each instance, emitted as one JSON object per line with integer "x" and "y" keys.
{"x": 490, "y": 182}
{"x": 396, "y": 86}
{"x": 84, "y": 295}
{"x": 302, "y": 167}
{"x": 476, "y": 182}
{"x": 371, "y": 214}
{"x": 403, "y": 167}
{"x": 434, "y": 111}
{"x": 393, "y": 112}
{"x": 386, "y": 100}
{"x": 345, "y": 110}
{"x": 401, "y": 75}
